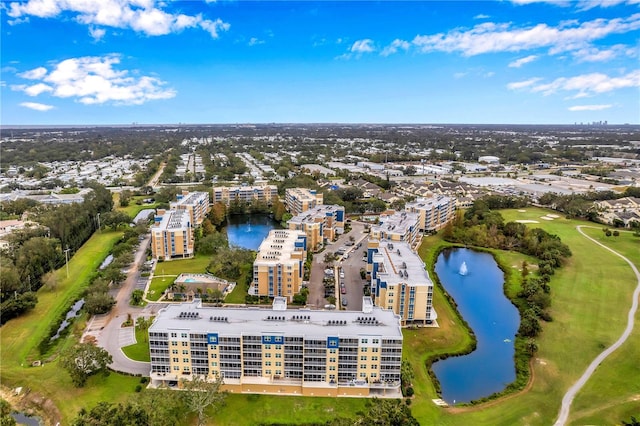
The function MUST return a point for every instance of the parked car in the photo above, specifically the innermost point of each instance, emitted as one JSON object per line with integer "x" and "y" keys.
{"x": 343, "y": 290}
{"x": 344, "y": 301}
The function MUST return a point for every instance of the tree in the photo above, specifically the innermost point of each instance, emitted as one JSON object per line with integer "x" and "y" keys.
{"x": 199, "y": 394}
{"x": 632, "y": 422}
{"x": 109, "y": 414}
{"x": 531, "y": 346}
{"x": 162, "y": 407}
{"x": 136, "y": 296}
{"x": 143, "y": 324}
{"x": 98, "y": 302}
{"x": 83, "y": 360}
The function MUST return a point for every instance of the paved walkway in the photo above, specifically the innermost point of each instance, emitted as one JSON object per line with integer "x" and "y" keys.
{"x": 573, "y": 390}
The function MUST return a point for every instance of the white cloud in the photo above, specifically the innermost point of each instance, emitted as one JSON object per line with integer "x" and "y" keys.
{"x": 556, "y": 2}
{"x": 394, "y": 46}
{"x": 144, "y": 16}
{"x": 482, "y": 16}
{"x": 459, "y": 75}
{"x": 94, "y": 80}
{"x": 34, "y": 74}
{"x": 253, "y": 41}
{"x": 363, "y": 46}
{"x": 593, "y": 54}
{"x": 523, "y": 84}
{"x": 520, "y": 62}
{"x": 489, "y": 37}
{"x": 589, "y": 107}
{"x": 97, "y": 33}
{"x": 583, "y": 85}
{"x": 37, "y": 106}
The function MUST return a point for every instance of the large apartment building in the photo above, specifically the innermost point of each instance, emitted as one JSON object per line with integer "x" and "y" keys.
{"x": 321, "y": 224}
{"x": 245, "y": 193}
{"x": 435, "y": 212}
{"x": 279, "y": 351}
{"x": 400, "y": 282}
{"x": 279, "y": 266}
{"x": 398, "y": 226}
{"x": 299, "y": 200}
{"x": 172, "y": 235}
{"x": 195, "y": 203}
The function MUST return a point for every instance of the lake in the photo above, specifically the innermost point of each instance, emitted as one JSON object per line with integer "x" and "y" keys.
{"x": 475, "y": 282}
{"x": 248, "y": 231}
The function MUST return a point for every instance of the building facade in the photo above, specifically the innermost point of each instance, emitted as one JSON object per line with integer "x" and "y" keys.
{"x": 279, "y": 266}
{"x": 172, "y": 235}
{"x": 398, "y": 226}
{"x": 245, "y": 193}
{"x": 195, "y": 203}
{"x": 434, "y": 212}
{"x": 321, "y": 224}
{"x": 299, "y": 200}
{"x": 400, "y": 281}
{"x": 279, "y": 351}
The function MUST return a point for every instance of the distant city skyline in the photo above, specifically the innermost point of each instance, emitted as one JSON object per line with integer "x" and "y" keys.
{"x": 117, "y": 62}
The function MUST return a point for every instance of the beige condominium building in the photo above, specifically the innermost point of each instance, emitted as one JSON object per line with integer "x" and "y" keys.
{"x": 400, "y": 282}
{"x": 399, "y": 226}
{"x": 195, "y": 203}
{"x": 245, "y": 193}
{"x": 279, "y": 351}
{"x": 172, "y": 235}
{"x": 321, "y": 224}
{"x": 279, "y": 266}
{"x": 435, "y": 212}
{"x": 299, "y": 200}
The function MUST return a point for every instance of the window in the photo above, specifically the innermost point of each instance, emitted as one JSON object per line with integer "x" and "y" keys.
{"x": 374, "y": 358}
{"x": 174, "y": 343}
{"x": 185, "y": 359}
{"x": 363, "y": 366}
{"x": 267, "y": 347}
{"x": 374, "y": 367}
{"x": 363, "y": 349}
{"x": 374, "y": 349}
{"x": 185, "y": 343}
{"x": 363, "y": 358}
{"x": 267, "y": 372}
{"x": 176, "y": 360}
{"x": 278, "y": 355}
{"x": 267, "y": 363}
{"x": 278, "y": 372}
{"x": 332, "y": 351}
{"x": 185, "y": 352}
{"x": 278, "y": 364}
{"x": 332, "y": 360}
{"x": 364, "y": 341}
{"x": 214, "y": 356}
{"x": 278, "y": 347}
{"x": 176, "y": 368}
{"x": 174, "y": 334}
{"x": 214, "y": 364}
{"x": 267, "y": 355}
{"x": 363, "y": 375}
{"x": 375, "y": 341}
{"x": 174, "y": 351}
{"x": 184, "y": 335}
{"x": 332, "y": 368}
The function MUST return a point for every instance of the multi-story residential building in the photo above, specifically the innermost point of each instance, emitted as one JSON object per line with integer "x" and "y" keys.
{"x": 245, "y": 193}
{"x": 398, "y": 226}
{"x": 435, "y": 212}
{"x": 279, "y": 351}
{"x": 172, "y": 235}
{"x": 321, "y": 223}
{"x": 196, "y": 203}
{"x": 299, "y": 200}
{"x": 400, "y": 282}
{"x": 279, "y": 266}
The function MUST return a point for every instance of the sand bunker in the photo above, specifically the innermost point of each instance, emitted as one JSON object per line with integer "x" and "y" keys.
{"x": 522, "y": 211}
{"x": 546, "y": 218}
{"x": 555, "y": 216}
{"x": 527, "y": 221}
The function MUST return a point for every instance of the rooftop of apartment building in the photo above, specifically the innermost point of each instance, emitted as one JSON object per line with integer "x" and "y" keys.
{"x": 431, "y": 202}
{"x": 278, "y": 320}
{"x": 396, "y": 223}
{"x": 401, "y": 265}
{"x": 319, "y": 211}
{"x": 173, "y": 219}
{"x": 278, "y": 245}
{"x": 191, "y": 198}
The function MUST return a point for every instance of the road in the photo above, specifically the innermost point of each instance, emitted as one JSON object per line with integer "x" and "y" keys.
{"x": 107, "y": 329}
{"x": 573, "y": 390}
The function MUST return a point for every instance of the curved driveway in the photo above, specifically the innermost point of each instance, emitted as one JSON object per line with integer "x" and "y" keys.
{"x": 573, "y": 390}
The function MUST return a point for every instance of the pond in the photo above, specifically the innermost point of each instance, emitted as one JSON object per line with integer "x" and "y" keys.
{"x": 248, "y": 231}
{"x": 73, "y": 312}
{"x": 25, "y": 419}
{"x": 475, "y": 282}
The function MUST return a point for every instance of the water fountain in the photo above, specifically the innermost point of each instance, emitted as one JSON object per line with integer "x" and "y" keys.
{"x": 463, "y": 269}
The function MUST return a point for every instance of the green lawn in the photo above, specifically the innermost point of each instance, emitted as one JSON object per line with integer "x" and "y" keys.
{"x": 139, "y": 351}
{"x": 237, "y": 295}
{"x": 133, "y": 209}
{"x": 166, "y": 273}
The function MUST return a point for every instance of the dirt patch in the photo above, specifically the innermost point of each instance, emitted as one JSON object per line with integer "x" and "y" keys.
{"x": 32, "y": 404}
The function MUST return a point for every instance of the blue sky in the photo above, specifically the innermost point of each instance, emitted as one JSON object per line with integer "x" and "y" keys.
{"x": 153, "y": 62}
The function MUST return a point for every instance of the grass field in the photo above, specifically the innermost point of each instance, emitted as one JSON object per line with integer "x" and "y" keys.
{"x": 139, "y": 351}
{"x": 133, "y": 209}
{"x": 167, "y": 272}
